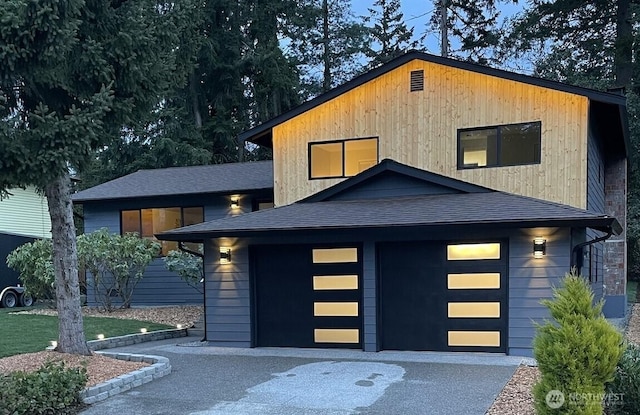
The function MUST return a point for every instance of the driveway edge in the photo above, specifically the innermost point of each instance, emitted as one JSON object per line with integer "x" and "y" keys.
{"x": 159, "y": 367}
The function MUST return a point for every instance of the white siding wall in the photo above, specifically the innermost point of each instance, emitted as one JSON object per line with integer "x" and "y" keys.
{"x": 25, "y": 212}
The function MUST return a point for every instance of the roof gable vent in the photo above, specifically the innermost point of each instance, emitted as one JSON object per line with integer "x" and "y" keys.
{"x": 417, "y": 80}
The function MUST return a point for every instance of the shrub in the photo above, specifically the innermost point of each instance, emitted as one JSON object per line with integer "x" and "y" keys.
{"x": 624, "y": 391}
{"x": 187, "y": 266}
{"x": 577, "y": 353}
{"x": 52, "y": 389}
{"x": 33, "y": 262}
{"x": 116, "y": 264}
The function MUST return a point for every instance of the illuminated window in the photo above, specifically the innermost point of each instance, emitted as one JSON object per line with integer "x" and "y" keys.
{"x": 474, "y": 338}
{"x": 335, "y": 282}
{"x": 336, "y": 335}
{"x": 148, "y": 222}
{"x": 335, "y": 255}
{"x": 506, "y": 145}
{"x": 474, "y": 310}
{"x": 344, "y": 158}
{"x": 461, "y": 252}
{"x": 473, "y": 281}
{"x": 337, "y": 309}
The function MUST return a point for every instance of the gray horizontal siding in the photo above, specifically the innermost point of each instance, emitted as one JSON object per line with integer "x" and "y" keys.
{"x": 530, "y": 281}
{"x": 392, "y": 185}
{"x": 228, "y": 296}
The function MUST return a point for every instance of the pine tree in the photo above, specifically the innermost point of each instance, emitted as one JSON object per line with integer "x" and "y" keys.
{"x": 69, "y": 83}
{"x": 389, "y": 33}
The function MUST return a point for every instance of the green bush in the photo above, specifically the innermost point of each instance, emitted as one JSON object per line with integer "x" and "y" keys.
{"x": 52, "y": 389}
{"x": 187, "y": 266}
{"x": 577, "y": 353}
{"x": 623, "y": 392}
{"x": 33, "y": 262}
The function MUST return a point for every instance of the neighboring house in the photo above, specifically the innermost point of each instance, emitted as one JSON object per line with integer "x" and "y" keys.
{"x": 24, "y": 217}
{"x": 151, "y": 201}
{"x": 484, "y": 189}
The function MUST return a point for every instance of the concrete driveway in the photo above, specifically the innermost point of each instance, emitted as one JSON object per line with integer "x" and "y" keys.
{"x": 213, "y": 381}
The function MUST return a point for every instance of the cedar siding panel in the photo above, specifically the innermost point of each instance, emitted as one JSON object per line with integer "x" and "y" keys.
{"x": 420, "y": 129}
{"x": 530, "y": 280}
{"x": 25, "y": 212}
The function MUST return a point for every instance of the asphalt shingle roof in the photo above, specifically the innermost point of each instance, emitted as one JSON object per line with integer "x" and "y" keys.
{"x": 216, "y": 178}
{"x": 429, "y": 210}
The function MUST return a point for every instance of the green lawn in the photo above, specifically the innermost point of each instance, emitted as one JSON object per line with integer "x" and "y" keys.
{"x": 632, "y": 290}
{"x": 26, "y": 333}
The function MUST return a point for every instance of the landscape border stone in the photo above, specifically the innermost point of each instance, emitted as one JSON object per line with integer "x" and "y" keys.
{"x": 159, "y": 365}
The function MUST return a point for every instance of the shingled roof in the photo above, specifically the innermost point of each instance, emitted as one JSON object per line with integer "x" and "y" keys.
{"x": 494, "y": 208}
{"x": 174, "y": 181}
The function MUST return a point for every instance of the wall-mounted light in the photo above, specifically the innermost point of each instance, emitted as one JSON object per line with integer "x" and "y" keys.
{"x": 539, "y": 247}
{"x": 225, "y": 255}
{"x": 235, "y": 203}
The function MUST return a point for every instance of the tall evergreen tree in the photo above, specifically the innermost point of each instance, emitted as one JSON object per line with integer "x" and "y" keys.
{"x": 389, "y": 35}
{"x": 68, "y": 82}
{"x": 327, "y": 43}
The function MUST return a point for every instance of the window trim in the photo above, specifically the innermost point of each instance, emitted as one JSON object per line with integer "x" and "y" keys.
{"x": 498, "y": 128}
{"x": 342, "y": 142}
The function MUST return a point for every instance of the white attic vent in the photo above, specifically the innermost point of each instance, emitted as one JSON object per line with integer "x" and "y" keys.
{"x": 417, "y": 80}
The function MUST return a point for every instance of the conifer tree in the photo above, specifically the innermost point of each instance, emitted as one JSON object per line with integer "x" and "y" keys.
{"x": 389, "y": 34}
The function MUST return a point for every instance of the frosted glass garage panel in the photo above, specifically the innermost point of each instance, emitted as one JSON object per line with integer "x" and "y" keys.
{"x": 335, "y": 309}
{"x": 335, "y": 255}
{"x": 474, "y": 310}
{"x": 335, "y": 282}
{"x": 463, "y": 252}
{"x": 473, "y": 281}
{"x": 474, "y": 338}
{"x": 336, "y": 335}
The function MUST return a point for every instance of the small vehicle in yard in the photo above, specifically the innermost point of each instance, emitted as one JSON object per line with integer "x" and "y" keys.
{"x": 12, "y": 293}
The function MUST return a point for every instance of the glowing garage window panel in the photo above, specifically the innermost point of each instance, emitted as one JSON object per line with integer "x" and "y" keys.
{"x": 340, "y": 309}
{"x": 336, "y": 335}
{"x": 473, "y": 281}
{"x": 474, "y": 338}
{"x": 474, "y": 310}
{"x": 461, "y": 252}
{"x": 335, "y": 255}
{"x": 335, "y": 282}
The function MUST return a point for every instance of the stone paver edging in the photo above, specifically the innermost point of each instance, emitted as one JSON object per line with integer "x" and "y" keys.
{"x": 159, "y": 365}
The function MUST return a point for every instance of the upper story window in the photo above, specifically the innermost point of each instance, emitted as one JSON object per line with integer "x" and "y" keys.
{"x": 148, "y": 222}
{"x": 342, "y": 158}
{"x": 504, "y": 145}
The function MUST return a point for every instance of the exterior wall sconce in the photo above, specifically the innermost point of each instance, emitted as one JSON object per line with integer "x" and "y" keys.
{"x": 225, "y": 255}
{"x": 539, "y": 247}
{"x": 235, "y": 203}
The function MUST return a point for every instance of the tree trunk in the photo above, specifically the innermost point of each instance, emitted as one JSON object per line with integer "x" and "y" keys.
{"x": 624, "y": 44}
{"x": 326, "y": 82}
{"x": 65, "y": 264}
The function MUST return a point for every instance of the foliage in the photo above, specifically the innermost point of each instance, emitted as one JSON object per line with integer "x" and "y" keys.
{"x": 625, "y": 385}
{"x": 33, "y": 261}
{"x": 187, "y": 266}
{"x": 43, "y": 329}
{"x": 54, "y": 388}
{"x": 578, "y": 352}
{"x": 389, "y": 33}
{"x": 116, "y": 263}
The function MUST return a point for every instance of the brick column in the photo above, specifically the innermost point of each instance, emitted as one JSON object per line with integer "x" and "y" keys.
{"x": 615, "y": 248}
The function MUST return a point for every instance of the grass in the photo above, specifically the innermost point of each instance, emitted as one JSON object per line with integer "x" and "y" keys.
{"x": 632, "y": 291}
{"x": 26, "y": 333}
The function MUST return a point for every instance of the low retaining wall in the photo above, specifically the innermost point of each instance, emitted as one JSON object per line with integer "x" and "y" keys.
{"x": 136, "y": 338}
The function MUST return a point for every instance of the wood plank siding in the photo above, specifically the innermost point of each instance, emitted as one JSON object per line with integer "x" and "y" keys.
{"x": 420, "y": 129}
{"x": 25, "y": 212}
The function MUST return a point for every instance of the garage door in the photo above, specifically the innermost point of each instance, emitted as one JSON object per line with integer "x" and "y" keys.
{"x": 308, "y": 296}
{"x": 443, "y": 296}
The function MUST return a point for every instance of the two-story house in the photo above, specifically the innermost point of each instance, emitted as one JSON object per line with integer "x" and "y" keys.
{"x": 429, "y": 204}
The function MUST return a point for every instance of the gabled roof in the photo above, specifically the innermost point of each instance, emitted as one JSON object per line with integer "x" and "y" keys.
{"x": 388, "y": 165}
{"x": 472, "y": 206}
{"x": 174, "y": 181}
{"x": 261, "y": 134}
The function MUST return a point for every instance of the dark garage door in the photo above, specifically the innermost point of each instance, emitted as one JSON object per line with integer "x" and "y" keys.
{"x": 307, "y": 296}
{"x": 443, "y": 296}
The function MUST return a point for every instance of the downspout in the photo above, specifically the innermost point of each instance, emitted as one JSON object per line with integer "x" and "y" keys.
{"x": 577, "y": 257}
{"x": 204, "y": 285}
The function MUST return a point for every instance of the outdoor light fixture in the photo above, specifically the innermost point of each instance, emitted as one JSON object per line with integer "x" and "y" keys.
{"x": 235, "y": 203}
{"x": 179, "y": 326}
{"x": 225, "y": 255}
{"x": 143, "y": 330}
{"x": 100, "y": 336}
{"x": 539, "y": 247}
{"x": 54, "y": 343}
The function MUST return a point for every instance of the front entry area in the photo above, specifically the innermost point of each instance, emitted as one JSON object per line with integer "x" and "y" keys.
{"x": 442, "y": 296}
{"x": 307, "y": 296}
